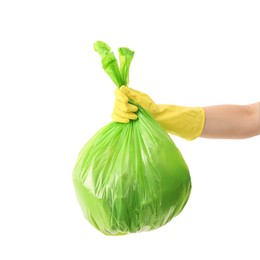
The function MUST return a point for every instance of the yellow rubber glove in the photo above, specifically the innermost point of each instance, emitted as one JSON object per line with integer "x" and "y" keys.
{"x": 186, "y": 122}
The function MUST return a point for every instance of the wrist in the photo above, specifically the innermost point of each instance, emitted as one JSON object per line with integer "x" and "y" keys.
{"x": 185, "y": 122}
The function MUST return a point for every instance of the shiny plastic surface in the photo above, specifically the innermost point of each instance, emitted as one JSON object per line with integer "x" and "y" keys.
{"x": 131, "y": 177}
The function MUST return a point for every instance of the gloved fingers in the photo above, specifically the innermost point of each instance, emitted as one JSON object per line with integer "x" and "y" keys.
{"x": 130, "y": 91}
{"x": 122, "y": 102}
{"x": 127, "y": 115}
{"x": 121, "y": 96}
{"x": 119, "y": 119}
{"x": 131, "y": 108}
{"x": 125, "y": 107}
{"x": 138, "y": 97}
{"x": 123, "y": 111}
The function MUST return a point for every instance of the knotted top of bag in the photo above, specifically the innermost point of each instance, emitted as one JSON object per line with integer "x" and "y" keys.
{"x": 118, "y": 73}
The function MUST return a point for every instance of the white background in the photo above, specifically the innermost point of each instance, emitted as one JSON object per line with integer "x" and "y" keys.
{"x": 54, "y": 96}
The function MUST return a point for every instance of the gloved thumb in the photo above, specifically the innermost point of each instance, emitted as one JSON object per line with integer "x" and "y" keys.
{"x": 140, "y": 98}
{"x": 131, "y": 94}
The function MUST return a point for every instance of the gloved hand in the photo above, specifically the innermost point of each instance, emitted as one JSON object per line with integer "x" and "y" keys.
{"x": 186, "y": 122}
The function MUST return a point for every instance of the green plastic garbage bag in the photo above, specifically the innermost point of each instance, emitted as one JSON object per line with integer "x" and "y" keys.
{"x": 130, "y": 177}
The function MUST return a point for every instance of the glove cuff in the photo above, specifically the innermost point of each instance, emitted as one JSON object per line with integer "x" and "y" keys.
{"x": 185, "y": 122}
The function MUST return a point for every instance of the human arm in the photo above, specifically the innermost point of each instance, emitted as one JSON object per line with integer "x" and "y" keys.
{"x": 224, "y": 121}
{"x": 231, "y": 121}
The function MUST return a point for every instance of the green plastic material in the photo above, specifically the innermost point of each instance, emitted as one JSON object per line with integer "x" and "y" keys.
{"x": 130, "y": 177}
